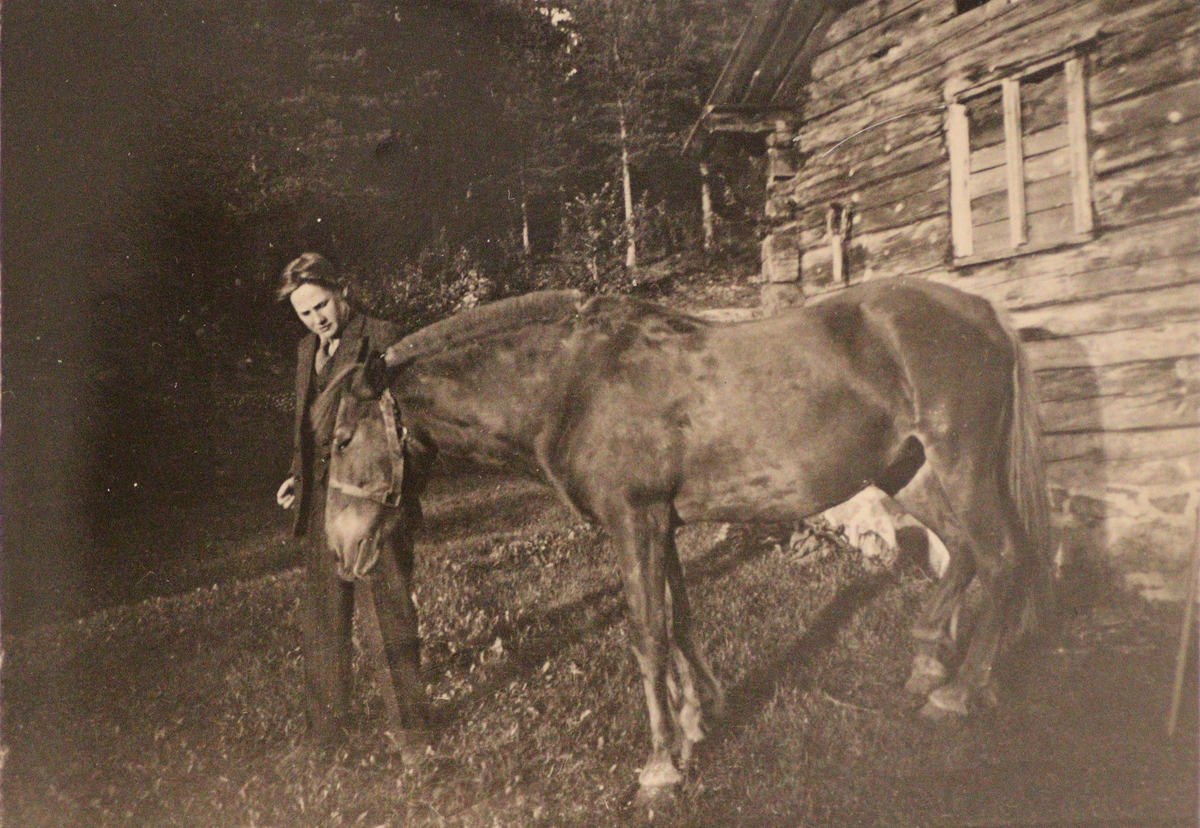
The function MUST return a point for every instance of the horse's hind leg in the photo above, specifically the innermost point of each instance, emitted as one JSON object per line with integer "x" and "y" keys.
{"x": 699, "y": 691}
{"x": 995, "y": 528}
{"x": 983, "y": 538}
{"x": 640, "y": 536}
{"x": 925, "y": 498}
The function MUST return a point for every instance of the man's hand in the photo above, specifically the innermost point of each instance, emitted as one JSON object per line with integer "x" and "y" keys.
{"x": 286, "y": 495}
{"x": 392, "y": 356}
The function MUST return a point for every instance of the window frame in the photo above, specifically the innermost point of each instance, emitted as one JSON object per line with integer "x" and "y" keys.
{"x": 958, "y": 139}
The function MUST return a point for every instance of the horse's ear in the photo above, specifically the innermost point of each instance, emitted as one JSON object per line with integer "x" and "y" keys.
{"x": 374, "y": 375}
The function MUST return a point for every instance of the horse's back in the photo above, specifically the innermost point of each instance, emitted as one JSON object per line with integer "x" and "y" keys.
{"x": 920, "y": 311}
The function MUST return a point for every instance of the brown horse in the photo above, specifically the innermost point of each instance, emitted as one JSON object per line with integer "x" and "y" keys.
{"x": 642, "y": 418}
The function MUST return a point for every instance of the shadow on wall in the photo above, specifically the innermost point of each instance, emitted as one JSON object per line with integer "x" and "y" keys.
{"x": 1124, "y": 522}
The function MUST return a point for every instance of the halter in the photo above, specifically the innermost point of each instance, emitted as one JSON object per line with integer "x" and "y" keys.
{"x": 396, "y": 438}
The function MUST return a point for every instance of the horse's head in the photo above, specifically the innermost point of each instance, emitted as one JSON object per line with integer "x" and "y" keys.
{"x": 366, "y": 472}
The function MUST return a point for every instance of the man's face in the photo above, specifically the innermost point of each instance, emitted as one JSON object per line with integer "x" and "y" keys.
{"x": 321, "y": 311}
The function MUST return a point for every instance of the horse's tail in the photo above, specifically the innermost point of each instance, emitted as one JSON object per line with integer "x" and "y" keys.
{"x": 1027, "y": 486}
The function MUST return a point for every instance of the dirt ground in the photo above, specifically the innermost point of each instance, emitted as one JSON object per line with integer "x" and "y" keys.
{"x": 186, "y": 710}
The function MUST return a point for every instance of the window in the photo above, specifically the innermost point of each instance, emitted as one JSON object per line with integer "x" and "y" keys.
{"x": 1019, "y": 177}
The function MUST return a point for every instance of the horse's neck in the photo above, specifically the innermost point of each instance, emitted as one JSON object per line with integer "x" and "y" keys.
{"x": 487, "y": 402}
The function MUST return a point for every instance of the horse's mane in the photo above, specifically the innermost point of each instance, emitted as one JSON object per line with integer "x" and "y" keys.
{"x": 488, "y": 320}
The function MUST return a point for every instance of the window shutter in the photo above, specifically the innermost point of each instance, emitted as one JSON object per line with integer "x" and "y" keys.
{"x": 1081, "y": 179}
{"x": 1014, "y": 162}
{"x": 960, "y": 179}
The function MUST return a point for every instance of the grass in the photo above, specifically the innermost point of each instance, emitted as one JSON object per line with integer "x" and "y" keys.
{"x": 188, "y": 711}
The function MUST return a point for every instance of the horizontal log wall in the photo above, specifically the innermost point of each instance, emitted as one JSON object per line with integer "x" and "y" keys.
{"x": 1112, "y": 325}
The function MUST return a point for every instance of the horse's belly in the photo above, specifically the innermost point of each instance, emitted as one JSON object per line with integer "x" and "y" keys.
{"x": 780, "y": 463}
{"x": 766, "y": 497}
{"x": 784, "y": 484}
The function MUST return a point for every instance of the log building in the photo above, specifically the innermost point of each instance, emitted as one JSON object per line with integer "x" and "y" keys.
{"x": 1042, "y": 153}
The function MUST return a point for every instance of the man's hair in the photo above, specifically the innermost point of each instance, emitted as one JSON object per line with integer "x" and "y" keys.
{"x": 308, "y": 269}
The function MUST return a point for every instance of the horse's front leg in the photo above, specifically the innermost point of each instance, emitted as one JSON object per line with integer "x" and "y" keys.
{"x": 396, "y": 616}
{"x": 326, "y": 617}
{"x": 640, "y": 535}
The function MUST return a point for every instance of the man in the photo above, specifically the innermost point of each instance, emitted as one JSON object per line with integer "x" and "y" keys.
{"x": 338, "y": 338}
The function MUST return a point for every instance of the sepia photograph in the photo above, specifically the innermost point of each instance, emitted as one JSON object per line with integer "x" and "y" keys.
{"x": 586, "y": 413}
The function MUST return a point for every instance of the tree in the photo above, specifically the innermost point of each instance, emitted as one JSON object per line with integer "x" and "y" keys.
{"x": 639, "y": 74}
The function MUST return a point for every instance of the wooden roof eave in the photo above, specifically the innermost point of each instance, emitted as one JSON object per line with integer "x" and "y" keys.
{"x": 757, "y": 36}
{"x": 770, "y": 60}
{"x": 791, "y": 41}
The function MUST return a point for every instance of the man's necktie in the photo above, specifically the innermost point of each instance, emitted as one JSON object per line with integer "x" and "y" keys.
{"x": 325, "y": 353}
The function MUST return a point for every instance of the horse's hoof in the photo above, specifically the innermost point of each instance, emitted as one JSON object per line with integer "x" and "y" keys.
{"x": 655, "y": 799}
{"x": 412, "y": 746}
{"x": 948, "y": 702}
{"x": 927, "y": 675}
{"x": 659, "y": 775}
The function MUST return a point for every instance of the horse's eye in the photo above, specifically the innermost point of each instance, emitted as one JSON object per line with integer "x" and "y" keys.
{"x": 342, "y": 438}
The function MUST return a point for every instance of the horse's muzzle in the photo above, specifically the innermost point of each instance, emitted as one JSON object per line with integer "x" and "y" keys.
{"x": 352, "y": 535}
{"x": 360, "y": 564}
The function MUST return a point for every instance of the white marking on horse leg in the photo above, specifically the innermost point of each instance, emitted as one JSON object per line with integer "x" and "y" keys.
{"x": 927, "y": 674}
{"x": 690, "y": 714}
{"x": 947, "y": 700}
{"x": 657, "y": 705}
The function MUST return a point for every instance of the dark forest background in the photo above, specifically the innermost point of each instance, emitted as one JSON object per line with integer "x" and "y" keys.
{"x": 163, "y": 161}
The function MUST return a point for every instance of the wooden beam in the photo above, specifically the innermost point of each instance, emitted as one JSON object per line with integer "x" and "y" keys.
{"x": 1093, "y": 472}
{"x": 1143, "y": 127}
{"x": 743, "y": 121}
{"x": 1122, "y": 311}
{"x": 1160, "y": 188}
{"x": 1149, "y": 254}
{"x": 1136, "y": 59}
{"x": 864, "y": 17}
{"x": 906, "y": 250}
{"x": 1126, "y": 446}
{"x": 970, "y": 45}
{"x": 1115, "y": 347}
{"x": 1122, "y": 413}
{"x": 1179, "y": 376}
{"x": 1075, "y": 285}
{"x": 871, "y": 39}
